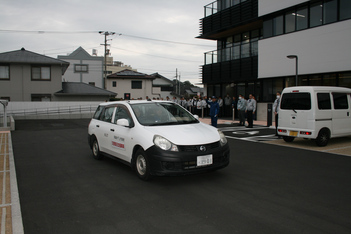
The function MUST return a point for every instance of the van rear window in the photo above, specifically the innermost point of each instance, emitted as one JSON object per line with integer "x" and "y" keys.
{"x": 296, "y": 101}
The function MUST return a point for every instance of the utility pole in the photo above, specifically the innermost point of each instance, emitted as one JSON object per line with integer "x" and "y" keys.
{"x": 106, "y": 33}
{"x": 177, "y": 81}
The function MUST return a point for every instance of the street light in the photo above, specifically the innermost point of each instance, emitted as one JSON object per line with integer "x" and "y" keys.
{"x": 294, "y": 57}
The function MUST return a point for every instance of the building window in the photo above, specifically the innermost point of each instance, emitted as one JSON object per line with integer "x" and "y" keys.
{"x": 137, "y": 84}
{"x": 311, "y": 15}
{"x": 41, "y": 73}
{"x": 41, "y": 97}
{"x": 114, "y": 83}
{"x": 330, "y": 11}
{"x": 302, "y": 18}
{"x": 290, "y": 21}
{"x": 316, "y": 11}
{"x": 81, "y": 68}
{"x": 267, "y": 28}
{"x": 345, "y": 9}
{"x": 4, "y": 72}
{"x": 6, "y": 98}
{"x": 278, "y": 25}
{"x": 345, "y": 80}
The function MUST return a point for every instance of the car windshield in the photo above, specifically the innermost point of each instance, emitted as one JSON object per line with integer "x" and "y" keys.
{"x": 162, "y": 113}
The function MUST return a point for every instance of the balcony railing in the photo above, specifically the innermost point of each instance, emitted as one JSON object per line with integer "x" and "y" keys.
{"x": 219, "y": 5}
{"x": 211, "y": 8}
{"x": 232, "y": 53}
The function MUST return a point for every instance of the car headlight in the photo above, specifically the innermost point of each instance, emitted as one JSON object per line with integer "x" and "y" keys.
{"x": 223, "y": 139}
{"x": 164, "y": 144}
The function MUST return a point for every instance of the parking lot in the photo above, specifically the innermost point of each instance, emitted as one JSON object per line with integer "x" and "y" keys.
{"x": 267, "y": 188}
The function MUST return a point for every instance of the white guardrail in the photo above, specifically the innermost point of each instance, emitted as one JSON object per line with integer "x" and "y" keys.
{"x": 50, "y": 110}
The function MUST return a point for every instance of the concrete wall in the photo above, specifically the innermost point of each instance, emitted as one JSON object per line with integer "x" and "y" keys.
{"x": 320, "y": 50}
{"x": 268, "y": 6}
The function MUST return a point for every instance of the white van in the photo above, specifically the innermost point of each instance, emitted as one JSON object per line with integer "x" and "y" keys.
{"x": 315, "y": 112}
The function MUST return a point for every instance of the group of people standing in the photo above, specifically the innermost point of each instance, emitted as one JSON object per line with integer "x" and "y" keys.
{"x": 246, "y": 109}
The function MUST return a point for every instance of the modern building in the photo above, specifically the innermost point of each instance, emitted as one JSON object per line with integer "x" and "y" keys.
{"x": 116, "y": 66}
{"x": 84, "y": 68}
{"x": 263, "y": 46}
{"x": 28, "y": 76}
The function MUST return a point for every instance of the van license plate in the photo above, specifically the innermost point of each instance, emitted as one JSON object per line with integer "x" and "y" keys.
{"x": 204, "y": 160}
{"x": 293, "y": 133}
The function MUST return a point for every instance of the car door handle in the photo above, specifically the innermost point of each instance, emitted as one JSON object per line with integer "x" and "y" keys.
{"x": 112, "y": 130}
{"x": 97, "y": 126}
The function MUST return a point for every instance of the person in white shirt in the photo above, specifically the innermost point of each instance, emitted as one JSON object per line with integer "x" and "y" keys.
{"x": 250, "y": 110}
{"x": 276, "y": 107}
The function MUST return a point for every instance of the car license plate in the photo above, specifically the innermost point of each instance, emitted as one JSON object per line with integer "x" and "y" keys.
{"x": 204, "y": 160}
{"x": 293, "y": 133}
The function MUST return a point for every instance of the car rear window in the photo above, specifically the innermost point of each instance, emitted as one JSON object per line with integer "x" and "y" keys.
{"x": 296, "y": 101}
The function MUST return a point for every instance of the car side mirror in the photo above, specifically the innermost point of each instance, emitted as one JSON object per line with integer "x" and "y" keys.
{"x": 123, "y": 122}
{"x": 196, "y": 117}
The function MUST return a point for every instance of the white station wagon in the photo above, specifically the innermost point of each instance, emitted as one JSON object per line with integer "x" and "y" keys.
{"x": 156, "y": 138}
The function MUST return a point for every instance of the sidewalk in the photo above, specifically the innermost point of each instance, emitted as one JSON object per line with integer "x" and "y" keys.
{"x": 10, "y": 211}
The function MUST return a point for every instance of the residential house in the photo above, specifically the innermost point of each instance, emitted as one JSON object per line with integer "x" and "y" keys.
{"x": 130, "y": 84}
{"x": 28, "y": 76}
{"x": 162, "y": 86}
{"x": 84, "y": 68}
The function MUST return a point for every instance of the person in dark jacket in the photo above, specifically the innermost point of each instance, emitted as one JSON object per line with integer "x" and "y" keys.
{"x": 214, "y": 110}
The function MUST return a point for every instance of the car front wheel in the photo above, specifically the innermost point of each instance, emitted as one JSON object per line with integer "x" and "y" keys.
{"x": 96, "y": 150}
{"x": 142, "y": 167}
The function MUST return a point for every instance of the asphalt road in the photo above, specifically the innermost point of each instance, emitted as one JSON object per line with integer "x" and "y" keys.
{"x": 265, "y": 189}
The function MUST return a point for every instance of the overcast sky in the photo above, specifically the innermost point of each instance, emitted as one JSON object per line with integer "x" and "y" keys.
{"x": 65, "y": 25}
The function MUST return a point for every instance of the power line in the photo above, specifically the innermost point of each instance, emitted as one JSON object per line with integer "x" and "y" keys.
{"x": 174, "y": 42}
{"x": 43, "y": 32}
{"x": 93, "y": 32}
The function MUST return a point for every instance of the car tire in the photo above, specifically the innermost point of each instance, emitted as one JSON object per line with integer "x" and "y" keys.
{"x": 323, "y": 137}
{"x": 96, "y": 150}
{"x": 141, "y": 165}
{"x": 288, "y": 138}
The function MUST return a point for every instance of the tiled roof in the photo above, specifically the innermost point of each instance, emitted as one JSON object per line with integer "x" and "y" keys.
{"x": 25, "y": 56}
{"x": 126, "y": 73}
{"x": 79, "y": 88}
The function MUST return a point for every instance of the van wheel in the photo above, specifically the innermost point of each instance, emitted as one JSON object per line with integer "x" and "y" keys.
{"x": 288, "y": 138}
{"x": 141, "y": 165}
{"x": 323, "y": 137}
{"x": 96, "y": 150}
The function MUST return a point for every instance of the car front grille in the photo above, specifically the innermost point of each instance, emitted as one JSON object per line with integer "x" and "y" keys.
{"x": 198, "y": 148}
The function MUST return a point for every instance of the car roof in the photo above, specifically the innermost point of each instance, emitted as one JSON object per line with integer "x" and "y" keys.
{"x": 127, "y": 102}
{"x": 317, "y": 88}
